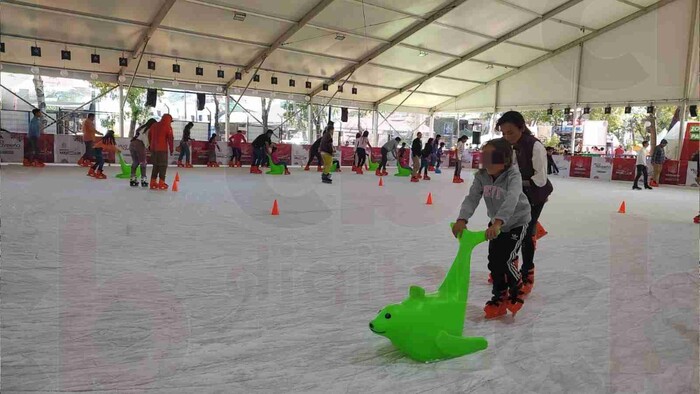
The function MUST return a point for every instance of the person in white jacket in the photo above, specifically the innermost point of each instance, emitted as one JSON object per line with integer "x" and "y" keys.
{"x": 642, "y": 167}
{"x": 460, "y": 156}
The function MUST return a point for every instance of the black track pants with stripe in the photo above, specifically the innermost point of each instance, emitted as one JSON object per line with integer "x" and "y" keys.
{"x": 503, "y": 251}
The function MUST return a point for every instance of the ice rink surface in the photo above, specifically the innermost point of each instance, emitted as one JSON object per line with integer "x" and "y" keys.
{"x": 109, "y": 289}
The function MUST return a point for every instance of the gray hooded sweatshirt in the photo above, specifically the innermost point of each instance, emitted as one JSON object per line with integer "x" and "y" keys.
{"x": 504, "y": 198}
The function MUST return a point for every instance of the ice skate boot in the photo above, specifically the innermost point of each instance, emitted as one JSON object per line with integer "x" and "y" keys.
{"x": 133, "y": 182}
{"x": 426, "y": 177}
{"x": 496, "y": 306}
{"x": 91, "y": 172}
{"x": 100, "y": 175}
{"x": 154, "y": 184}
{"x": 528, "y": 281}
{"x": 162, "y": 185}
{"x": 144, "y": 181}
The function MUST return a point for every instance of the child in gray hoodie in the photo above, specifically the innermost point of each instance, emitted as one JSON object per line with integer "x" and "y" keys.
{"x": 500, "y": 184}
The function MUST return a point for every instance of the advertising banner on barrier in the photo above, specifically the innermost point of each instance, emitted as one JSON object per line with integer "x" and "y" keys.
{"x": 467, "y": 160}
{"x": 601, "y": 168}
{"x": 199, "y": 152}
{"x": 68, "y": 148}
{"x": 563, "y": 164}
{"x": 476, "y": 159}
{"x": 223, "y": 154}
{"x": 623, "y": 169}
{"x": 347, "y": 156}
{"x": 11, "y": 147}
{"x": 123, "y": 144}
{"x": 247, "y": 154}
{"x": 673, "y": 172}
{"x": 300, "y": 155}
{"x": 580, "y": 167}
{"x": 691, "y": 177}
{"x": 284, "y": 153}
{"x": 46, "y": 152}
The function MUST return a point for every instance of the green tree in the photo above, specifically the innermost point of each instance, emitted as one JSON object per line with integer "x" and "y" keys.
{"x": 552, "y": 141}
{"x": 536, "y": 117}
{"x": 135, "y": 100}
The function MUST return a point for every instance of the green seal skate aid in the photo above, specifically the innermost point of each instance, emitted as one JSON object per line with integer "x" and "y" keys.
{"x": 428, "y": 326}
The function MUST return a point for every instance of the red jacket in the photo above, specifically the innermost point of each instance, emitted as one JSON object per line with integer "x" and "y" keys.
{"x": 160, "y": 136}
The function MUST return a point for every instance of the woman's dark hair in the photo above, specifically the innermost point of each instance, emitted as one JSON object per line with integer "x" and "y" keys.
{"x": 187, "y": 131}
{"x": 516, "y": 119}
{"x": 109, "y": 138}
{"x": 502, "y": 149}
{"x": 430, "y": 141}
{"x": 212, "y": 138}
{"x": 143, "y": 128}
{"x": 463, "y": 138}
{"x": 365, "y": 134}
{"x": 358, "y": 135}
{"x": 397, "y": 139}
{"x": 36, "y": 111}
{"x": 189, "y": 126}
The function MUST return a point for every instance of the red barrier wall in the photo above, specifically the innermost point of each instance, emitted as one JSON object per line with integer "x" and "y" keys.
{"x": 673, "y": 172}
{"x": 580, "y": 167}
{"x": 623, "y": 169}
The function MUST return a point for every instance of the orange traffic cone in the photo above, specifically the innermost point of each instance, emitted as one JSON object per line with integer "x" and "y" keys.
{"x": 430, "y": 199}
{"x": 381, "y": 181}
{"x": 540, "y": 231}
{"x": 177, "y": 177}
{"x": 275, "y": 209}
{"x": 175, "y": 185}
{"x": 622, "y": 208}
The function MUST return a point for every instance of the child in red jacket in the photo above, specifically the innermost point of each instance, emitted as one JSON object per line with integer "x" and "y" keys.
{"x": 102, "y": 144}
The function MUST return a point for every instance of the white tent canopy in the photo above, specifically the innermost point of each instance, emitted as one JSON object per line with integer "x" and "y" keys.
{"x": 425, "y": 55}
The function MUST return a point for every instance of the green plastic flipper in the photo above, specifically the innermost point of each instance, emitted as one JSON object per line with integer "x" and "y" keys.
{"x": 454, "y": 346}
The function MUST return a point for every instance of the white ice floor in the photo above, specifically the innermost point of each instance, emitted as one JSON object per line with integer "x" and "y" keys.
{"x": 109, "y": 289}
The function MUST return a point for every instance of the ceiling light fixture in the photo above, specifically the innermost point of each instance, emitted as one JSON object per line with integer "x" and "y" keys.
{"x": 239, "y": 16}
{"x": 339, "y": 37}
{"x": 422, "y": 53}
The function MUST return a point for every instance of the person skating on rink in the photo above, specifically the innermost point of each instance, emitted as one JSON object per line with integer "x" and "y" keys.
{"x": 500, "y": 185}
{"x": 355, "y": 156}
{"x": 235, "y": 142}
{"x": 33, "y": 135}
{"x": 89, "y": 134}
{"x": 363, "y": 147}
{"x": 459, "y": 156}
{"x": 532, "y": 163}
{"x": 642, "y": 167}
{"x": 416, "y": 152}
{"x": 426, "y": 157}
{"x": 277, "y": 162}
{"x": 185, "y": 146}
{"x": 438, "y": 157}
{"x": 261, "y": 145}
{"x": 137, "y": 148}
{"x": 160, "y": 137}
{"x": 326, "y": 148}
{"x": 551, "y": 165}
{"x": 212, "y": 147}
{"x": 390, "y": 146}
{"x": 433, "y": 156}
{"x": 102, "y": 145}
{"x": 314, "y": 152}
{"x": 657, "y": 161}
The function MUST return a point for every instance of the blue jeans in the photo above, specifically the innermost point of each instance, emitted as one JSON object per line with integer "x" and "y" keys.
{"x": 184, "y": 151}
{"x": 99, "y": 160}
{"x": 258, "y": 156}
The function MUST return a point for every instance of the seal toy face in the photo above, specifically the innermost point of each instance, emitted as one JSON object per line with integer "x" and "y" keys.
{"x": 428, "y": 326}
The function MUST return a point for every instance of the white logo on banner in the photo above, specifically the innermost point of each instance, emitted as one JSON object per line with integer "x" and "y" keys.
{"x": 601, "y": 169}
{"x": 11, "y": 147}
{"x": 68, "y": 148}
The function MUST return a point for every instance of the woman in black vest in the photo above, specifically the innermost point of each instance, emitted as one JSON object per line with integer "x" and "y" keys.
{"x": 532, "y": 162}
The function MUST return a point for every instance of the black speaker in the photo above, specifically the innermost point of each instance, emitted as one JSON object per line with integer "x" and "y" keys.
{"x": 151, "y": 98}
{"x": 476, "y": 137}
{"x": 343, "y": 114}
{"x": 693, "y": 110}
{"x": 201, "y": 99}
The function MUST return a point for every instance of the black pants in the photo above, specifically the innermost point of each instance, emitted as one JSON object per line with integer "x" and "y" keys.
{"x": 33, "y": 148}
{"x": 458, "y": 169}
{"x": 528, "y": 242}
{"x": 361, "y": 157}
{"x": 642, "y": 170}
{"x": 502, "y": 253}
{"x": 89, "y": 152}
{"x": 385, "y": 157}
{"x": 317, "y": 155}
{"x": 552, "y": 167}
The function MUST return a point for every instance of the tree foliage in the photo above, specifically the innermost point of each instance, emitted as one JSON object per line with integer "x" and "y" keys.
{"x": 135, "y": 102}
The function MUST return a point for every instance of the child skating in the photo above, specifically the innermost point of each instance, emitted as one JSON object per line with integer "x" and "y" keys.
{"x": 185, "y": 146}
{"x": 426, "y": 157}
{"x": 235, "y": 142}
{"x": 102, "y": 145}
{"x": 137, "y": 148}
{"x": 500, "y": 185}
{"x": 211, "y": 151}
{"x": 326, "y": 148}
{"x": 277, "y": 162}
{"x": 459, "y": 156}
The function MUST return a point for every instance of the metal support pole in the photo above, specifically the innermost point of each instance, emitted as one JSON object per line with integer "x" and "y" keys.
{"x": 227, "y": 121}
{"x": 576, "y": 95}
{"x": 688, "y": 72}
{"x": 121, "y": 111}
{"x": 375, "y": 124}
{"x": 310, "y": 121}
